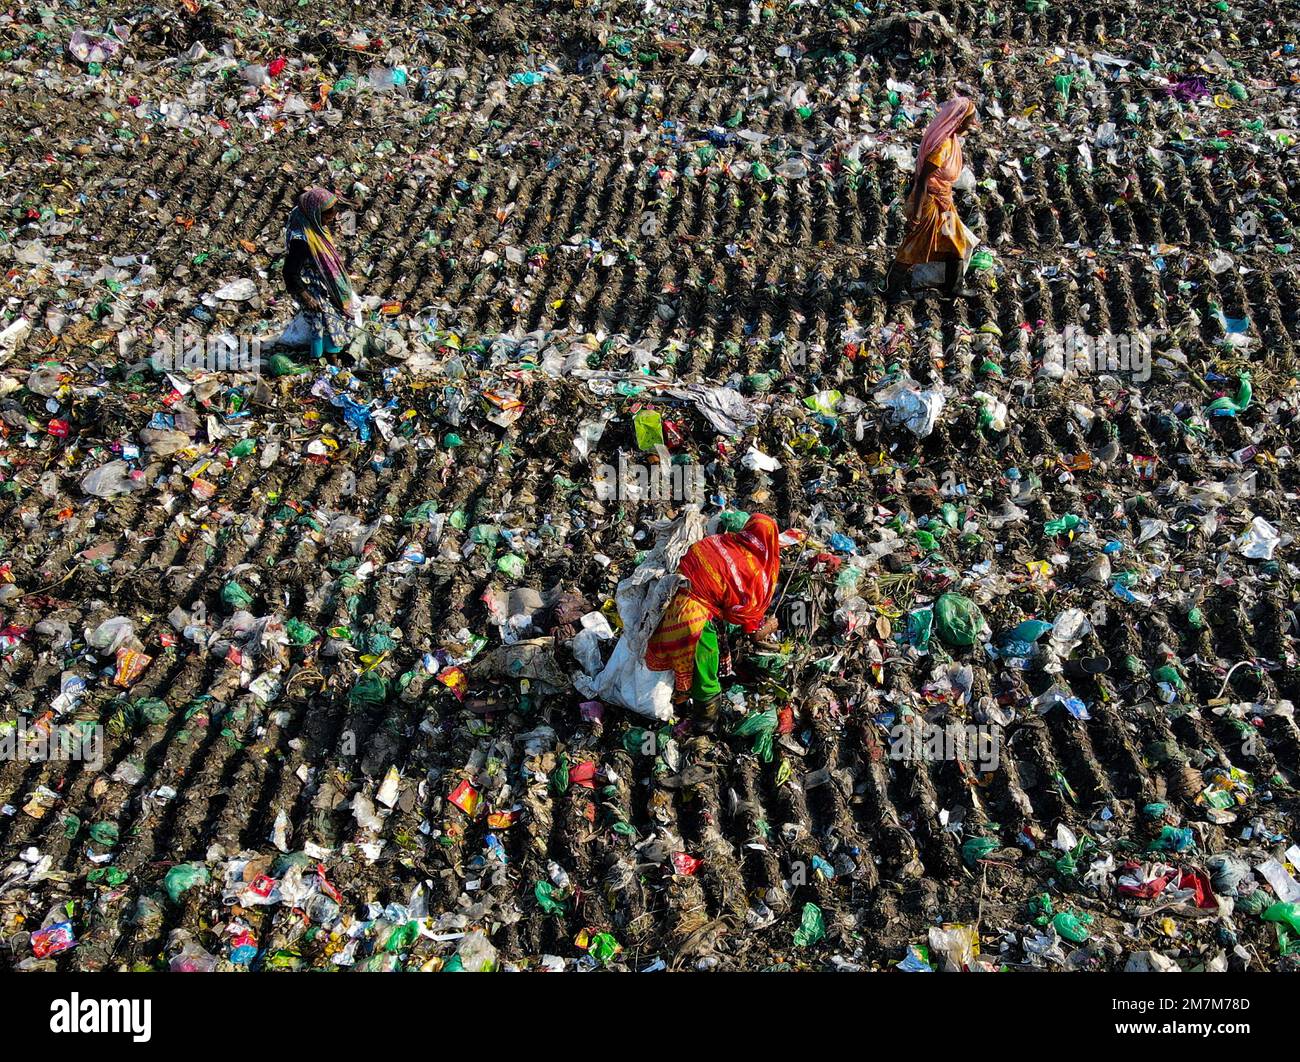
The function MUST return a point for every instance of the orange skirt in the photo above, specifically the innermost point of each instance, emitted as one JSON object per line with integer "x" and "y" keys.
{"x": 938, "y": 233}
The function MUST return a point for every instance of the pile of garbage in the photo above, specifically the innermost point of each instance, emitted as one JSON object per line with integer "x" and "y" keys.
{"x": 332, "y": 663}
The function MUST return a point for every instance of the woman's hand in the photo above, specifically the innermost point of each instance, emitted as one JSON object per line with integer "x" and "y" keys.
{"x": 766, "y": 629}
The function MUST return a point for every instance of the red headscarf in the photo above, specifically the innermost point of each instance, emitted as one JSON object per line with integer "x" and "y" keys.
{"x": 734, "y": 574}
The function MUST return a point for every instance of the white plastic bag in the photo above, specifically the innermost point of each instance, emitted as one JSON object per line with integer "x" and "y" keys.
{"x": 642, "y": 598}
{"x": 909, "y": 405}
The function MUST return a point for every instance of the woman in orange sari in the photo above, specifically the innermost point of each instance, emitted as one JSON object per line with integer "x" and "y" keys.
{"x": 732, "y": 577}
{"x": 934, "y": 231}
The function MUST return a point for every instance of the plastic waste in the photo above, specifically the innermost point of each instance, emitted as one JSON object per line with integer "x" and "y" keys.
{"x": 958, "y": 620}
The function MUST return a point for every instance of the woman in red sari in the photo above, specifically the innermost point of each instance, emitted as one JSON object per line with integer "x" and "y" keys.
{"x": 732, "y": 577}
{"x": 934, "y": 231}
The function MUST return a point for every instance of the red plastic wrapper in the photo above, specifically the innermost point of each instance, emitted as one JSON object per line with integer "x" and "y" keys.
{"x": 831, "y": 561}
{"x": 326, "y": 886}
{"x": 1195, "y": 879}
{"x": 262, "y": 886}
{"x": 454, "y": 679}
{"x": 467, "y": 798}
{"x": 53, "y": 939}
{"x": 685, "y": 864}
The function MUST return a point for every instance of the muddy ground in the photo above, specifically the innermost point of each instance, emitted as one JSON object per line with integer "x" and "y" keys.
{"x": 612, "y": 212}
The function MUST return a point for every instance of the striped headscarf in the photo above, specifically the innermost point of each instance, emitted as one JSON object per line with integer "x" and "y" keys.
{"x": 307, "y": 215}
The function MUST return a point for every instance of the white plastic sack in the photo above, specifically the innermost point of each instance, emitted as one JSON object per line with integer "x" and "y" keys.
{"x": 297, "y": 334}
{"x": 89, "y": 47}
{"x": 13, "y": 338}
{"x": 1260, "y": 540}
{"x": 109, "y": 480}
{"x": 237, "y": 290}
{"x": 757, "y": 461}
{"x": 642, "y": 598}
{"x": 724, "y": 408}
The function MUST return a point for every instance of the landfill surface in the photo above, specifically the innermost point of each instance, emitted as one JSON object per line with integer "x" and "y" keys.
{"x": 331, "y": 620}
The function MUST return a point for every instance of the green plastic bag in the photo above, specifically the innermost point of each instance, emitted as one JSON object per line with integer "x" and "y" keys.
{"x": 733, "y": 520}
{"x": 603, "y": 947}
{"x": 1062, "y": 524}
{"x": 920, "y": 626}
{"x": 545, "y": 893}
{"x": 1040, "y": 908}
{"x": 378, "y": 639}
{"x": 761, "y": 726}
{"x": 370, "y": 688}
{"x": 976, "y": 848}
{"x": 1228, "y": 406}
{"x": 635, "y": 741}
{"x": 512, "y": 565}
{"x": 299, "y": 633}
{"x": 183, "y": 877}
{"x": 1071, "y": 927}
{"x": 1288, "y": 913}
{"x": 153, "y": 710}
{"x": 812, "y": 926}
{"x": 824, "y": 402}
{"x": 1169, "y": 674}
{"x": 402, "y": 937}
{"x": 649, "y": 427}
{"x": 560, "y": 776}
{"x": 957, "y": 619}
{"x": 104, "y": 833}
{"x": 420, "y": 514}
{"x": 235, "y": 595}
{"x": 283, "y": 365}
{"x": 1253, "y": 902}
